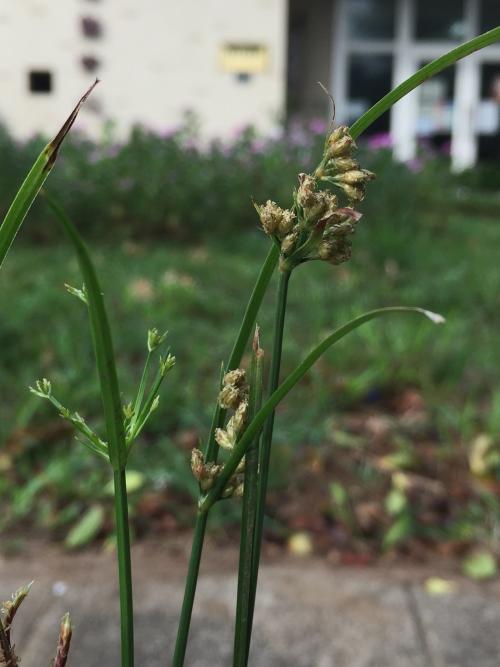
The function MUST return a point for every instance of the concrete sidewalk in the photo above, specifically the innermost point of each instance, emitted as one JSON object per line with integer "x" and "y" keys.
{"x": 308, "y": 613}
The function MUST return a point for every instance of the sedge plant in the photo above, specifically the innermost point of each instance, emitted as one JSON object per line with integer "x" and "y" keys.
{"x": 315, "y": 227}
{"x": 318, "y": 225}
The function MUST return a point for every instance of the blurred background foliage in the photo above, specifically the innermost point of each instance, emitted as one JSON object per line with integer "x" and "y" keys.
{"x": 392, "y": 441}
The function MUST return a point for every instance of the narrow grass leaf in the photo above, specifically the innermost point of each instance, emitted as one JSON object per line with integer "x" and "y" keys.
{"x": 103, "y": 345}
{"x": 33, "y": 182}
{"x": 280, "y": 393}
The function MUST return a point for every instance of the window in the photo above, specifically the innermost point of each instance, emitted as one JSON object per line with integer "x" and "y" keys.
{"x": 90, "y": 63}
{"x": 436, "y": 98}
{"x": 91, "y": 27}
{"x": 440, "y": 20}
{"x": 40, "y": 81}
{"x": 490, "y": 14}
{"x": 370, "y": 78}
{"x": 488, "y": 116}
{"x": 371, "y": 19}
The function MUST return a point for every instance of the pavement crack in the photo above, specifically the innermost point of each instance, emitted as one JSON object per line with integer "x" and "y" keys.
{"x": 419, "y": 627}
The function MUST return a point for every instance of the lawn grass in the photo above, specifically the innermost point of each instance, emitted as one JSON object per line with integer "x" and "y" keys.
{"x": 448, "y": 264}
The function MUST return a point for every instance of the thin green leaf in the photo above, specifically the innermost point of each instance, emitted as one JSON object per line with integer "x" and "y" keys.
{"x": 247, "y": 323}
{"x": 280, "y": 393}
{"x": 436, "y": 66}
{"x": 103, "y": 344}
{"x": 33, "y": 182}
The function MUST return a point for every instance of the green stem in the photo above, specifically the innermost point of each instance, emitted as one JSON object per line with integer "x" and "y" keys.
{"x": 265, "y": 447}
{"x": 140, "y": 395}
{"x": 356, "y": 129}
{"x": 124, "y": 569}
{"x": 115, "y": 431}
{"x": 247, "y": 323}
{"x": 190, "y": 590}
{"x": 248, "y": 516}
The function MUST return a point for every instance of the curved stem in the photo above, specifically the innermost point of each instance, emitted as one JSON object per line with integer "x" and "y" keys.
{"x": 124, "y": 569}
{"x": 287, "y": 385}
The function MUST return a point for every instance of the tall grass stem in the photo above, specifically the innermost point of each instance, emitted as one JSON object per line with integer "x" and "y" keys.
{"x": 115, "y": 431}
{"x": 124, "y": 569}
{"x": 211, "y": 450}
{"x": 248, "y": 515}
{"x": 190, "y": 590}
{"x": 265, "y": 446}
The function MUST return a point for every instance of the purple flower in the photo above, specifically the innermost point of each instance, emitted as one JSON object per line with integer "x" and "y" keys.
{"x": 415, "y": 165}
{"x": 318, "y": 126}
{"x": 380, "y": 140}
{"x": 258, "y": 146}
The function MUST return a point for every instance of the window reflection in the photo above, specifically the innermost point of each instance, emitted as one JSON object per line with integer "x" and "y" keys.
{"x": 490, "y": 14}
{"x": 436, "y": 108}
{"x": 370, "y": 79}
{"x": 443, "y": 19}
{"x": 488, "y": 113}
{"x": 372, "y": 19}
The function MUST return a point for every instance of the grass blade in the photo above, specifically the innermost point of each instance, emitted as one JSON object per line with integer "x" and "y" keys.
{"x": 247, "y": 323}
{"x": 117, "y": 448}
{"x": 28, "y": 191}
{"x": 103, "y": 345}
{"x": 288, "y": 384}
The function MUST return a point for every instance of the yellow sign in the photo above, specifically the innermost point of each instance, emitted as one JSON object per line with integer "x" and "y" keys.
{"x": 244, "y": 58}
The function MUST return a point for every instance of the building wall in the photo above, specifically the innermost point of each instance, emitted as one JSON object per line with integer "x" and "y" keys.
{"x": 159, "y": 58}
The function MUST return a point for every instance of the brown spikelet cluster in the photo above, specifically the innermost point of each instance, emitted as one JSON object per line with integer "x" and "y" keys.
{"x": 319, "y": 226}
{"x": 65, "y": 634}
{"x": 232, "y": 396}
{"x": 8, "y": 611}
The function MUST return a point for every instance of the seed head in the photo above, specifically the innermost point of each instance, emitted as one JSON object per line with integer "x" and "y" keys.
{"x": 355, "y": 177}
{"x": 223, "y": 439}
{"x": 335, "y": 251}
{"x": 354, "y": 192}
{"x": 288, "y": 243}
{"x": 43, "y": 388}
{"x": 65, "y": 634}
{"x": 275, "y": 220}
{"x": 340, "y": 143}
{"x": 155, "y": 339}
{"x": 166, "y": 364}
{"x": 233, "y": 389}
{"x": 9, "y": 608}
{"x": 342, "y": 164}
{"x": 229, "y": 396}
{"x": 79, "y": 293}
{"x": 236, "y": 377}
{"x": 306, "y": 194}
{"x": 197, "y": 464}
{"x": 204, "y": 473}
{"x": 286, "y": 223}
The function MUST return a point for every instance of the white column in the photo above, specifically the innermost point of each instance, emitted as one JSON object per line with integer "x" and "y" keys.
{"x": 467, "y": 92}
{"x": 404, "y": 113}
{"x": 339, "y": 60}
